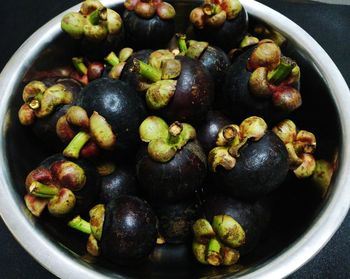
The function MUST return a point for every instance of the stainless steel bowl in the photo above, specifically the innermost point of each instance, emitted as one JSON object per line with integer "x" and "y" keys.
{"x": 65, "y": 257}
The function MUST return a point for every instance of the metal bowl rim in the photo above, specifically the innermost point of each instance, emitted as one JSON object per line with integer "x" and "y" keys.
{"x": 292, "y": 258}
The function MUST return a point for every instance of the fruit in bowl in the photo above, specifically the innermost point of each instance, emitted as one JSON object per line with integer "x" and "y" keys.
{"x": 303, "y": 118}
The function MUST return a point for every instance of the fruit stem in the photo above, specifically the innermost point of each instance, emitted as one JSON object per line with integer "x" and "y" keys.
{"x": 80, "y": 224}
{"x": 41, "y": 190}
{"x": 182, "y": 42}
{"x": 79, "y": 65}
{"x": 280, "y": 73}
{"x": 213, "y": 252}
{"x": 94, "y": 17}
{"x": 147, "y": 71}
{"x": 76, "y": 144}
{"x": 112, "y": 59}
{"x": 175, "y": 130}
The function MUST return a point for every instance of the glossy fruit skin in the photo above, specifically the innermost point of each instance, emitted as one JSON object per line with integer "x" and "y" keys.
{"x": 240, "y": 102}
{"x": 121, "y": 182}
{"x": 174, "y": 181}
{"x": 121, "y": 106}
{"x": 88, "y": 195}
{"x": 250, "y": 215}
{"x": 175, "y": 220}
{"x": 207, "y": 132}
{"x": 45, "y": 128}
{"x": 194, "y": 93}
{"x": 260, "y": 168}
{"x": 153, "y": 33}
{"x": 132, "y": 78}
{"x": 216, "y": 61}
{"x": 129, "y": 230}
{"x": 227, "y": 36}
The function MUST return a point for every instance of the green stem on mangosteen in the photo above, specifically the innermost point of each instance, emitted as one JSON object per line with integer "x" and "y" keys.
{"x": 182, "y": 42}
{"x": 41, "y": 190}
{"x": 175, "y": 130}
{"x": 80, "y": 224}
{"x": 112, "y": 59}
{"x": 78, "y": 63}
{"x": 147, "y": 71}
{"x": 76, "y": 144}
{"x": 279, "y": 74}
{"x": 94, "y": 17}
{"x": 213, "y": 252}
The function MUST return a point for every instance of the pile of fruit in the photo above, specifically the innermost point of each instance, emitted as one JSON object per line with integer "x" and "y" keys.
{"x": 166, "y": 137}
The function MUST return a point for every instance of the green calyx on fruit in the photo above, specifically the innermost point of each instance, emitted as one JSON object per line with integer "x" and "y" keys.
{"x": 273, "y": 76}
{"x": 322, "y": 175}
{"x": 214, "y": 243}
{"x": 248, "y": 40}
{"x": 94, "y": 130}
{"x": 94, "y": 228}
{"x": 164, "y": 141}
{"x": 300, "y": 145}
{"x": 93, "y": 21}
{"x": 40, "y": 101}
{"x": 118, "y": 62}
{"x": 161, "y": 72}
{"x": 232, "y": 138}
{"x": 150, "y": 8}
{"x": 215, "y": 13}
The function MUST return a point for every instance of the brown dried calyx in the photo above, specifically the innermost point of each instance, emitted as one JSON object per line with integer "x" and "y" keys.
{"x": 232, "y": 138}
{"x": 86, "y": 135}
{"x": 274, "y": 76}
{"x": 149, "y": 8}
{"x": 54, "y": 188}
{"x": 215, "y": 12}
{"x": 300, "y": 145}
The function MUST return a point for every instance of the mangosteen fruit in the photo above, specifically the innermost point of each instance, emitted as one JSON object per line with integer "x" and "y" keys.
{"x": 122, "y": 181}
{"x": 179, "y": 88}
{"x": 173, "y": 166}
{"x": 207, "y": 132}
{"x": 262, "y": 82}
{"x": 235, "y": 223}
{"x": 221, "y": 23}
{"x": 214, "y": 59}
{"x": 123, "y": 231}
{"x": 148, "y": 24}
{"x": 249, "y": 160}
{"x": 175, "y": 220}
{"x": 109, "y": 114}
{"x": 99, "y": 29}
{"x": 44, "y": 103}
{"x": 65, "y": 187}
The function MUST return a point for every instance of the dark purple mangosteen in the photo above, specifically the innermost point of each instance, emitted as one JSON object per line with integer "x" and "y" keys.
{"x": 249, "y": 161}
{"x": 123, "y": 231}
{"x": 221, "y": 23}
{"x": 67, "y": 187}
{"x": 148, "y": 24}
{"x": 254, "y": 217}
{"x": 109, "y": 115}
{"x": 44, "y": 103}
{"x": 178, "y": 88}
{"x": 122, "y": 181}
{"x": 173, "y": 166}
{"x": 214, "y": 59}
{"x": 99, "y": 29}
{"x": 262, "y": 82}
{"x": 175, "y": 220}
{"x": 208, "y": 131}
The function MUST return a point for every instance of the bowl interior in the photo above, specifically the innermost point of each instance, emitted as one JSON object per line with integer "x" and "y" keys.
{"x": 295, "y": 205}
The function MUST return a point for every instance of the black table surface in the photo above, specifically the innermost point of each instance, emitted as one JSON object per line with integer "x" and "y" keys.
{"x": 328, "y": 24}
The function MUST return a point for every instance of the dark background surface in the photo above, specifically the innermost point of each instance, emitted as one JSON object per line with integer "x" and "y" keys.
{"x": 328, "y": 24}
